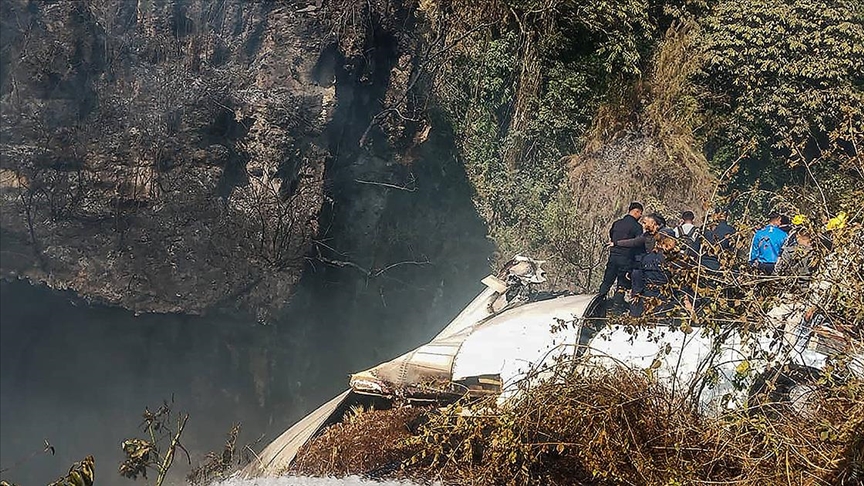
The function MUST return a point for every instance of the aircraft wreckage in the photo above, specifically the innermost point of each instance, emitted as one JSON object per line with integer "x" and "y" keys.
{"x": 509, "y": 331}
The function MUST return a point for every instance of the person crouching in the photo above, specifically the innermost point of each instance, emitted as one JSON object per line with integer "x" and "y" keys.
{"x": 653, "y": 276}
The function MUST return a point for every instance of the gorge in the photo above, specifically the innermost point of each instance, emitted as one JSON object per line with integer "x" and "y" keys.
{"x": 239, "y": 203}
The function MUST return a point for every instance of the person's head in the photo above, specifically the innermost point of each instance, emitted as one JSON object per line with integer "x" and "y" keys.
{"x": 721, "y": 213}
{"x": 688, "y": 217}
{"x": 774, "y": 219}
{"x": 664, "y": 243}
{"x": 803, "y": 238}
{"x": 785, "y": 222}
{"x": 650, "y": 223}
{"x": 661, "y": 221}
{"x": 635, "y": 210}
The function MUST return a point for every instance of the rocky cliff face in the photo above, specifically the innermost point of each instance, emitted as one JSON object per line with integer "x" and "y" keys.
{"x": 184, "y": 156}
{"x": 170, "y": 155}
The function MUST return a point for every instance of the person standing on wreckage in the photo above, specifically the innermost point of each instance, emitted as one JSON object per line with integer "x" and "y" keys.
{"x": 621, "y": 260}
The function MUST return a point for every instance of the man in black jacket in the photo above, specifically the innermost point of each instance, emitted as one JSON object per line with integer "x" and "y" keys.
{"x": 718, "y": 239}
{"x": 621, "y": 259}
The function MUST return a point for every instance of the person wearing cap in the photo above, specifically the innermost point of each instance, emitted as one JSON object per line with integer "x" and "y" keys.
{"x": 767, "y": 244}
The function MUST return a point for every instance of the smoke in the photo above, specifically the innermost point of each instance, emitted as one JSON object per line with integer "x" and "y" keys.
{"x": 80, "y": 375}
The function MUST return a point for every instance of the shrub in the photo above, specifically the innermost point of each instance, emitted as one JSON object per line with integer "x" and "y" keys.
{"x": 786, "y": 76}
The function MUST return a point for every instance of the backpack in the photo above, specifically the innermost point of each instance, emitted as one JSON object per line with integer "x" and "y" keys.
{"x": 690, "y": 240}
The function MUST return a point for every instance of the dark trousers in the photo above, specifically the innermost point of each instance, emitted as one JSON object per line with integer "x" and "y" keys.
{"x": 765, "y": 268}
{"x": 616, "y": 269}
{"x": 651, "y": 291}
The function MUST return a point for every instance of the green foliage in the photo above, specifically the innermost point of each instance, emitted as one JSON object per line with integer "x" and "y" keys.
{"x": 576, "y": 244}
{"x": 565, "y": 107}
{"x": 785, "y": 75}
{"x": 521, "y": 95}
{"x": 617, "y": 33}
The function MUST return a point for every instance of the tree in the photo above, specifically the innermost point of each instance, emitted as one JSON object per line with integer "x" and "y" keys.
{"x": 786, "y": 75}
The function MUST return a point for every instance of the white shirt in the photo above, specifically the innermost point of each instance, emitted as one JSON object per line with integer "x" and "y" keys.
{"x": 684, "y": 229}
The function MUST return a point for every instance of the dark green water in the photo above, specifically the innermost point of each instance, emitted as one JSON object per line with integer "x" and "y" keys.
{"x": 80, "y": 376}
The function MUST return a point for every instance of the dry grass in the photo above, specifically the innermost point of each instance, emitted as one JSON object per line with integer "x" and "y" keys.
{"x": 642, "y": 145}
{"x": 365, "y": 443}
{"x": 604, "y": 429}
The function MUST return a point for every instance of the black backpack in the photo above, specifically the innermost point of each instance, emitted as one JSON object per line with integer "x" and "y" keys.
{"x": 690, "y": 241}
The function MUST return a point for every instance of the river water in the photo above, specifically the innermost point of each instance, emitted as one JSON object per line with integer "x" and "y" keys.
{"x": 79, "y": 376}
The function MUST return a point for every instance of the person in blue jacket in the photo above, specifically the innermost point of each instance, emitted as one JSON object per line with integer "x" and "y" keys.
{"x": 767, "y": 244}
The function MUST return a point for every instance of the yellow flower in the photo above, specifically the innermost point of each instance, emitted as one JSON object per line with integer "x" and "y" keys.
{"x": 799, "y": 219}
{"x": 837, "y": 222}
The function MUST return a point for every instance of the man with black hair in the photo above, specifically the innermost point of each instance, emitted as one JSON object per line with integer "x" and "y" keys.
{"x": 785, "y": 223}
{"x": 687, "y": 234}
{"x": 767, "y": 244}
{"x": 652, "y": 224}
{"x": 718, "y": 236}
{"x": 621, "y": 259}
{"x": 643, "y": 245}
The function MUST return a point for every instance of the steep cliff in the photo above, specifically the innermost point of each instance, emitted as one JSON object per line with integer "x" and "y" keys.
{"x": 163, "y": 156}
{"x": 172, "y": 156}
{"x": 168, "y": 155}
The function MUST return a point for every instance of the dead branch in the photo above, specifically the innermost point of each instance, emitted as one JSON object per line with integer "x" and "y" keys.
{"x": 169, "y": 455}
{"x": 375, "y": 272}
{"x": 384, "y": 184}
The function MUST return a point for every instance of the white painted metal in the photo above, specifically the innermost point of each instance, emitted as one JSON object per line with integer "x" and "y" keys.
{"x": 277, "y": 456}
{"x": 521, "y": 340}
{"x": 478, "y": 343}
{"x": 682, "y": 361}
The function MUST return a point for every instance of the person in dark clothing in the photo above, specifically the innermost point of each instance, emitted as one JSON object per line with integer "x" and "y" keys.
{"x": 785, "y": 223}
{"x": 688, "y": 236}
{"x": 653, "y": 276}
{"x": 661, "y": 223}
{"x": 651, "y": 226}
{"x": 643, "y": 243}
{"x": 717, "y": 239}
{"x": 621, "y": 259}
{"x": 797, "y": 261}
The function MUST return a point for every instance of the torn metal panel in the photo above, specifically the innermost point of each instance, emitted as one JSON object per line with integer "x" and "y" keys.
{"x": 277, "y": 457}
{"x": 479, "y": 342}
{"x": 522, "y": 340}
